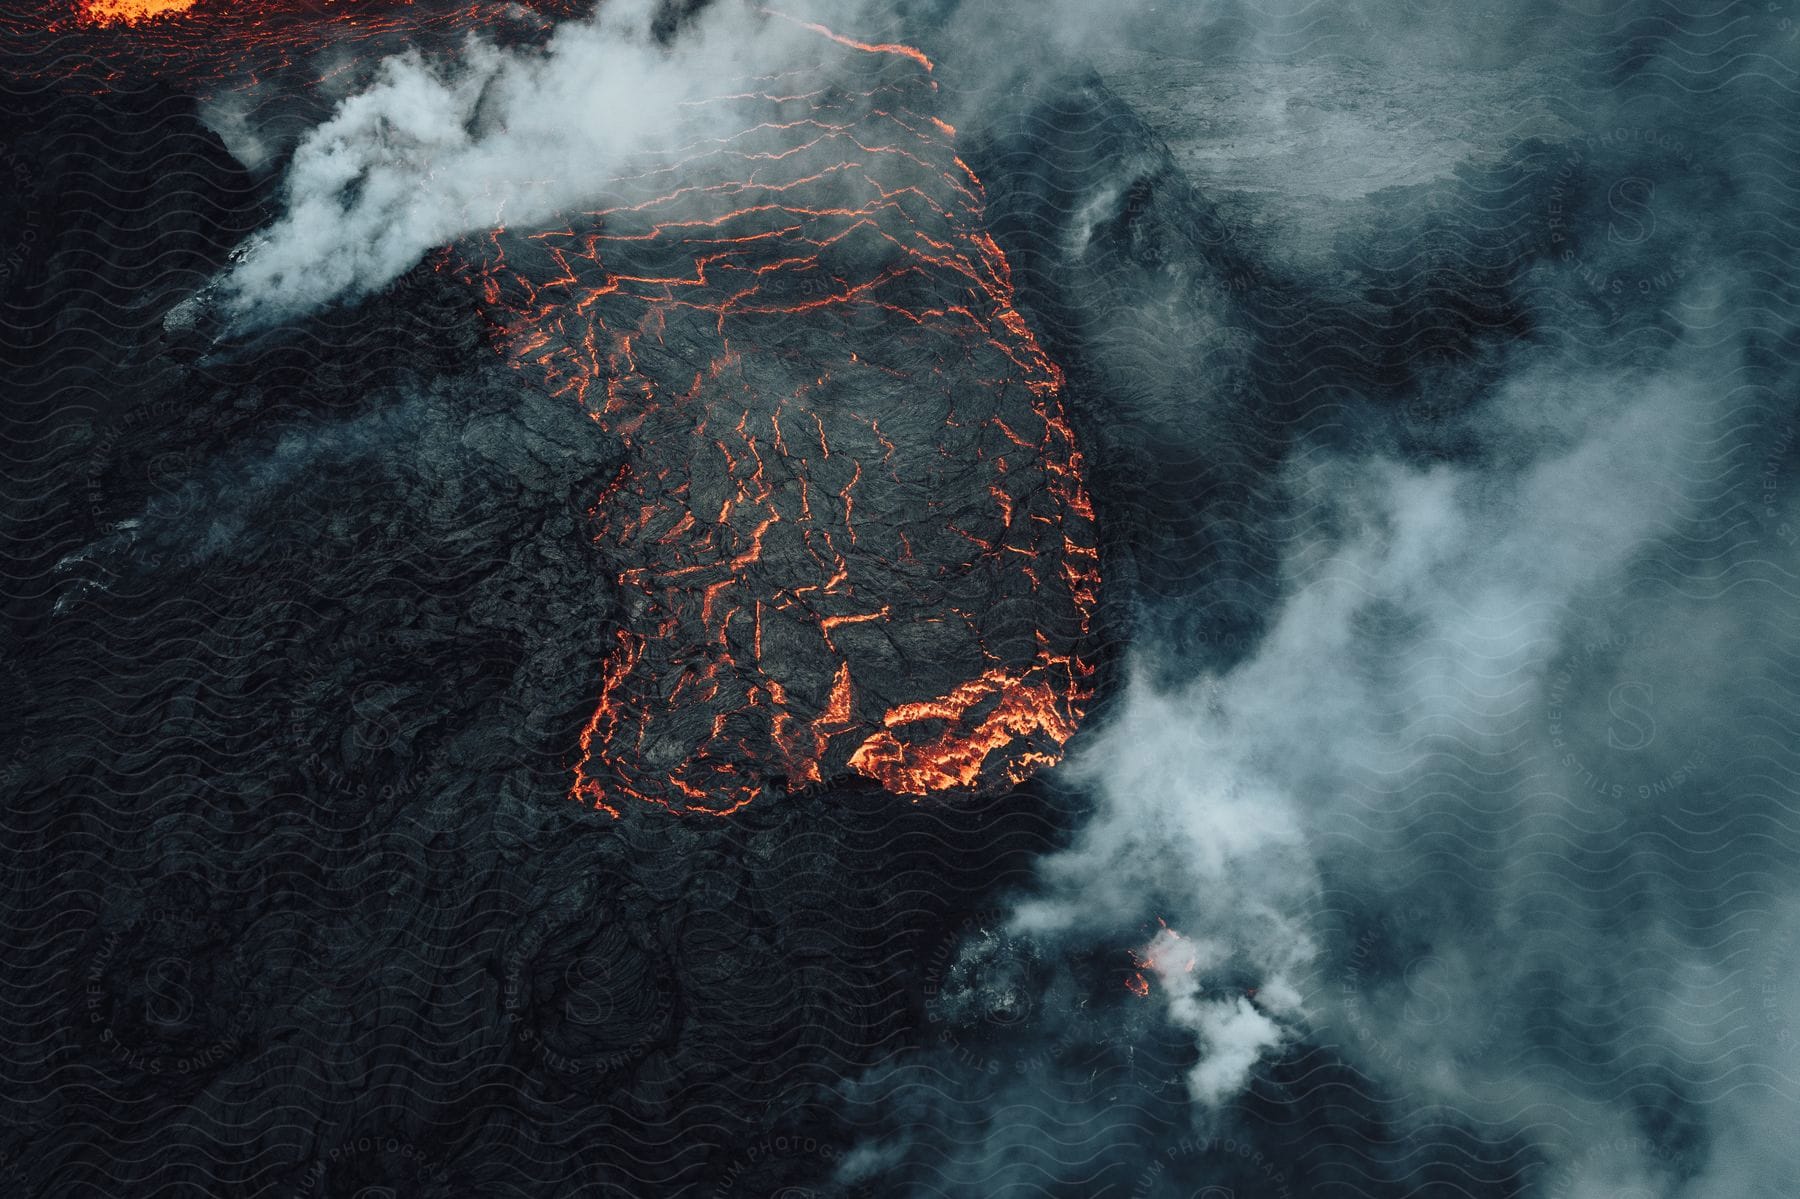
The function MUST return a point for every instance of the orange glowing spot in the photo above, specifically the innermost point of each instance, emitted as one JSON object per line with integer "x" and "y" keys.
{"x": 1168, "y": 952}
{"x": 838, "y": 710}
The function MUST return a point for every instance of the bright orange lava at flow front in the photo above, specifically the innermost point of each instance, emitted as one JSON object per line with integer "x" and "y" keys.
{"x": 674, "y": 316}
{"x": 130, "y": 12}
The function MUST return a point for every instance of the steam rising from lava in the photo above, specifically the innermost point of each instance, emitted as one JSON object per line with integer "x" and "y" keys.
{"x": 439, "y": 149}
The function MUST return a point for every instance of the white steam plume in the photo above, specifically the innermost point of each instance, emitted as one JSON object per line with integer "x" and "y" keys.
{"x": 433, "y": 151}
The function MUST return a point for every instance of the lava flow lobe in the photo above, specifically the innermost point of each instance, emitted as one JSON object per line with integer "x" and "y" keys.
{"x": 853, "y": 535}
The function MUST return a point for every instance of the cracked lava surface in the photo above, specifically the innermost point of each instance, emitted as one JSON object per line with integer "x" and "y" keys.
{"x": 852, "y": 535}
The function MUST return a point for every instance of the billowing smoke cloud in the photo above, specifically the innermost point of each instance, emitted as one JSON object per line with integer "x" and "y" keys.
{"x": 1477, "y": 811}
{"x": 434, "y": 150}
{"x": 1193, "y": 820}
{"x": 1219, "y": 800}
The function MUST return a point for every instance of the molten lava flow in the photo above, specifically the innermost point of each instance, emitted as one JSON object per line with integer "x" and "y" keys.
{"x": 853, "y": 534}
{"x": 130, "y": 12}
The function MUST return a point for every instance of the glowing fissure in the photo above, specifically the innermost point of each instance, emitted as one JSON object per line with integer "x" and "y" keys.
{"x": 843, "y": 218}
{"x": 130, "y": 12}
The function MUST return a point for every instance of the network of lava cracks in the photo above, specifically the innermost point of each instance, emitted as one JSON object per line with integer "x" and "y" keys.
{"x": 847, "y": 214}
{"x": 685, "y": 316}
